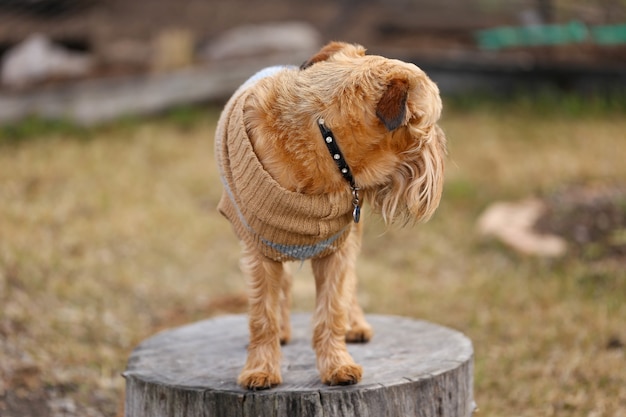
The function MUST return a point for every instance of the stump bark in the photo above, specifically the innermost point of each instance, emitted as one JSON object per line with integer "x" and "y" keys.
{"x": 411, "y": 368}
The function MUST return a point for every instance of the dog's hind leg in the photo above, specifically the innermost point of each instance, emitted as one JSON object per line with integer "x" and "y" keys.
{"x": 333, "y": 299}
{"x": 262, "y": 368}
{"x": 285, "y": 306}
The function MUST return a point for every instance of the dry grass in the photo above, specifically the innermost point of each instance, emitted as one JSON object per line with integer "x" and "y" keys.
{"x": 109, "y": 236}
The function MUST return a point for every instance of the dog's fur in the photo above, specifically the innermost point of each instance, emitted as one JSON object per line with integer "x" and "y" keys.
{"x": 383, "y": 113}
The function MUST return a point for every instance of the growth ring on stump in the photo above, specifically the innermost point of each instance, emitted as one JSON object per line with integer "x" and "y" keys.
{"x": 410, "y": 368}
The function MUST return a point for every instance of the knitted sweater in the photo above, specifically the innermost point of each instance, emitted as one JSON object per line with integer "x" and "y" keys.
{"x": 283, "y": 225}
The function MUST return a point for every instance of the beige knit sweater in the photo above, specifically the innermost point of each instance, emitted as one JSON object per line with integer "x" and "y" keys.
{"x": 282, "y": 224}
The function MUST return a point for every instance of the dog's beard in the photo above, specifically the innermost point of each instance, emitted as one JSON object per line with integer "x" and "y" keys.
{"x": 414, "y": 189}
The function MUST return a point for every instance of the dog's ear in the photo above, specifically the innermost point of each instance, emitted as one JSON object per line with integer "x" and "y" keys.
{"x": 391, "y": 108}
{"x": 331, "y": 49}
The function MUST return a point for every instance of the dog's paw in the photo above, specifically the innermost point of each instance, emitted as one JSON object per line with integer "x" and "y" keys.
{"x": 360, "y": 334}
{"x": 258, "y": 379}
{"x": 343, "y": 375}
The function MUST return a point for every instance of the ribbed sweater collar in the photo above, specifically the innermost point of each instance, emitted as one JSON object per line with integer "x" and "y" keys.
{"x": 289, "y": 224}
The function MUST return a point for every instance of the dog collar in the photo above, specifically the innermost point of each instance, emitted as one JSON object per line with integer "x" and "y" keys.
{"x": 344, "y": 168}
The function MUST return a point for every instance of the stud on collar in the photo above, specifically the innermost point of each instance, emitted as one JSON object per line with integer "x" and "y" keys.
{"x": 344, "y": 168}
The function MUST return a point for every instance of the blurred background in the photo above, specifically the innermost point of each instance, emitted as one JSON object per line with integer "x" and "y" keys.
{"x": 466, "y": 46}
{"x": 108, "y": 189}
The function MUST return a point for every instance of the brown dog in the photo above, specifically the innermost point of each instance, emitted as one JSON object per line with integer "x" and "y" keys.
{"x": 298, "y": 150}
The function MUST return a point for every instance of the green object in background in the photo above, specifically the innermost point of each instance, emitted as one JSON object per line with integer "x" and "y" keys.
{"x": 534, "y": 35}
{"x": 609, "y": 34}
{"x": 497, "y": 38}
{"x": 572, "y": 32}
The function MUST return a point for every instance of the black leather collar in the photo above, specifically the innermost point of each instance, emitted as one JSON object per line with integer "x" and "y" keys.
{"x": 342, "y": 165}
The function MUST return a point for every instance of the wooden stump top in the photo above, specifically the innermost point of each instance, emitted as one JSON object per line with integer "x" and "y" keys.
{"x": 411, "y": 368}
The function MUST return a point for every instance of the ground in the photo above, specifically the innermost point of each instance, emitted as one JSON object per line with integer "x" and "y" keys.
{"x": 108, "y": 235}
{"x": 592, "y": 219}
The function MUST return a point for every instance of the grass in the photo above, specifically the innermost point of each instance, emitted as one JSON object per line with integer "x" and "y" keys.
{"x": 111, "y": 234}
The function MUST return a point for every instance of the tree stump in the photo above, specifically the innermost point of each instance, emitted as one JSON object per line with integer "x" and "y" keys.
{"x": 411, "y": 368}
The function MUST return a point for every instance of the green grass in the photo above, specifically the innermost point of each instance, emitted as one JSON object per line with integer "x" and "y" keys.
{"x": 107, "y": 240}
{"x": 545, "y": 103}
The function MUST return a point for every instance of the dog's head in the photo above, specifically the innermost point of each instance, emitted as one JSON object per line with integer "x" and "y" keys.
{"x": 384, "y": 113}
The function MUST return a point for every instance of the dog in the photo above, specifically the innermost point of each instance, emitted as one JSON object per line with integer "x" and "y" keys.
{"x": 299, "y": 150}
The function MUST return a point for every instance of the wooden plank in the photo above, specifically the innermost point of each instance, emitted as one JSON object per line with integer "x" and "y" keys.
{"x": 96, "y": 101}
{"x": 411, "y": 368}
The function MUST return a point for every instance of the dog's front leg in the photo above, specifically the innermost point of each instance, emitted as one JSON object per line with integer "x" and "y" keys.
{"x": 333, "y": 301}
{"x": 262, "y": 368}
{"x": 359, "y": 330}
